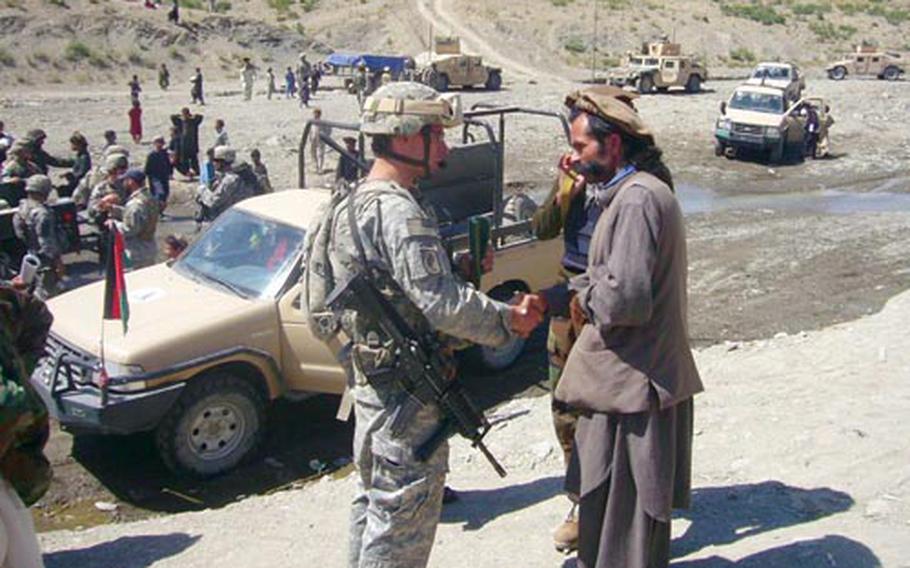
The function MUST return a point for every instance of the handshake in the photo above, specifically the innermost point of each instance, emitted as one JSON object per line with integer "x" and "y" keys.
{"x": 527, "y": 311}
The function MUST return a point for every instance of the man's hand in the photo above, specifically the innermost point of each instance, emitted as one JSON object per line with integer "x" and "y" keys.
{"x": 527, "y": 314}
{"x": 578, "y": 181}
{"x": 576, "y": 314}
{"x": 108, "y": 201}
{"x": 18, "y": 283}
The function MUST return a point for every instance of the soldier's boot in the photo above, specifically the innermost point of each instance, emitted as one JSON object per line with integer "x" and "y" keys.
{"x": 565, "y": 537}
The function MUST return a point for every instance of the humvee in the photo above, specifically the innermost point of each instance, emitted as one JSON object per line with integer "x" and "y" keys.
{"x": 217, "y": 335}
{"x": 659, "y": 66}
{"x": 763, "y": 119}
{"x": 446, "y": 67}
{"x": 867, "y": 61}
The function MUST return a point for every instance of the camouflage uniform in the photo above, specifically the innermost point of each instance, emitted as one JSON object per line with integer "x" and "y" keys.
{"x": 103, "y": 189}
{"x": 36, "y": 226}
{"x": 138, "y": 223}
{"x": 228, "y": 189}
{"x": 90, "y": 181}
{"x": 26, "y": 473}
{"x": 399, "y": 498}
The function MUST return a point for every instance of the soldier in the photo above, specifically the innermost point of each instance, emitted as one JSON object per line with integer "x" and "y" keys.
{"x": 84, "y": 190}
{"x": 231, "y": 185}
{"x": 109, "y": 191}
{"x": 24, "y": 428}
{"x": 247, "y": 76}
{"x": 399, "y": 497}
{"x": 35, "y": 138}
{"x": 36, "y": 226}
{"x": 569, "y": 212}
{"x": 164, "y": 77}
{"x": 21, "y": 167}
{"x": 137, "y": 220}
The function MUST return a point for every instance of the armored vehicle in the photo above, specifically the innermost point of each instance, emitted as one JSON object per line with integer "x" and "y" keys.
{"x": 762, "y": 119}
{"x": 217, "y": 335}
{"x": 867, "y": 61}
{"x": 786, "y": 76}
{"x": 446, "y": 67}
{"x": 659, "y": 66}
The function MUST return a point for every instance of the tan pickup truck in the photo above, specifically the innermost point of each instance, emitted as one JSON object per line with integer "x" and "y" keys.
{"x": 218, "y": 334}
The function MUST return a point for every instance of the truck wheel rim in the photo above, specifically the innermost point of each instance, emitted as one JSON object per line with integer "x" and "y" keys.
{"x": 217, "y": 431}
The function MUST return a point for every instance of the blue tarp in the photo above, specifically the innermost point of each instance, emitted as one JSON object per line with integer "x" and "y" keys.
{"x": 373, "y": 62}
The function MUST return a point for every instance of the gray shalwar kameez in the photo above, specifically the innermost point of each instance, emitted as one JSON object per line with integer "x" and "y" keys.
{"x": 632, "y": 373}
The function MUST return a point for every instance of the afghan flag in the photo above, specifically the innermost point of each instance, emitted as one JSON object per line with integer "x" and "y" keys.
{"x": 116, "y": 305}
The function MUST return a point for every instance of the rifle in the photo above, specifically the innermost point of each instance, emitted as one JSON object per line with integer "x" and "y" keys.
{"x": 420, "y": 367}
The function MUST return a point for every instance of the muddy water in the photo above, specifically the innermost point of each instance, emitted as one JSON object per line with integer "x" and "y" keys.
{"x": 695, "y": 199}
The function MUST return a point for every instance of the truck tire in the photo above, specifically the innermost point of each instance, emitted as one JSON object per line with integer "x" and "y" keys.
{"x": 693, "y": 85}
{"x": 494, "y": 81}
{"x": 646, "y": 84}
{"x": 891, "y": 73}
{"x": 218, "y": 421}
{"x": 719, "y": 148}
{"x": 839, "y": 73}
{"x": 498, "y": 358}
{"x": 776, "y": 155}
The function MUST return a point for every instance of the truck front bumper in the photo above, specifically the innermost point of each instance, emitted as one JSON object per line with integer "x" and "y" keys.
{"x": 756, "y": 142}
{"x": 83, "y": 408}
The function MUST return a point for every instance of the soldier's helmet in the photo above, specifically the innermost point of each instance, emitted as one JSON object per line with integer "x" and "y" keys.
{"x": 403, "y": 109}
{"x": 35, "y": 135}
{"x": 38, "y": 184}
{"x": 116, "y": 149}
{"x": 115, "y": 162}
{"x": 21, "y": 148}
{"x": 224, "y": 154}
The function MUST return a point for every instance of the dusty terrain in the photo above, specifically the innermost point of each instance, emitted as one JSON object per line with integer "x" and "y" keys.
{"x": 773, "y": 250}
{"x": 800, "y": 460}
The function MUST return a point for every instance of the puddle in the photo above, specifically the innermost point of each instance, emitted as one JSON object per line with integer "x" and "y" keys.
{"x": 695, "y": 199}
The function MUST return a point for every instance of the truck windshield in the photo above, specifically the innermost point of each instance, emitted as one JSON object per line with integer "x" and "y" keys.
{"x": 757, "y": 102}
{"x": 244, "y": 254}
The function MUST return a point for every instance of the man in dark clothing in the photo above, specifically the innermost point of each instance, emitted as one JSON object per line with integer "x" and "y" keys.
{"x": 35, "y": 139}
{"x": 188, "y": 126}
{"x": 173, "y": 14}
{"x": 196, "y": 88}
{"x": 347, "y": 170}
{"x": 812, "y": 130}
{"x": 158, "y": 169}
{"x": 82, "y": 165}
{"x": 630, "y": 373}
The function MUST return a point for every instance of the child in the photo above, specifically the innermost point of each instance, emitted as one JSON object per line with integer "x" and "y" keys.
{"x": 207, "y": 175}
{"x": 135, "y": 89}
{"x": 290, "y": 84}
{"x": 135, "y": 114}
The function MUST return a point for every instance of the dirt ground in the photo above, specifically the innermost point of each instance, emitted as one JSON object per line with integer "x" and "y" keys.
{"x": 773, "y": 250}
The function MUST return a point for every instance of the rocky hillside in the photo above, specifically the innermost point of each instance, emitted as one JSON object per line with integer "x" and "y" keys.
{"x": 84, "y": 41}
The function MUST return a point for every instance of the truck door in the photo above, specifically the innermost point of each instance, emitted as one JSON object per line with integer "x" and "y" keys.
{"x": 669, "y": 73}
{"x": 307, "y": 363}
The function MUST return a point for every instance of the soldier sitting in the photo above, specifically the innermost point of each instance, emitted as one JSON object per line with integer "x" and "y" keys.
{"x": 232, "y": 185}
{"x": 36, "y": 226}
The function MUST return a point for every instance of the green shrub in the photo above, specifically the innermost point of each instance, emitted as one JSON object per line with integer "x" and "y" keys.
{"x": 575, "y": 45}
{"x": 6, "y": 58}
{"x": 810, "y": 9}
{"x": 77, "y": 51}
{"x": 191, "y": 4}
{"x": 828, "y": 32}
{"x": 281, "y": 5}
{"x": 309, "y": 5}
{"x": 222, "y": 6}
{"x": 766, "y": 15}
{"x": 742, "y": 55}
{"x": 895, "y": 16}
{"x": 561, "y": 3}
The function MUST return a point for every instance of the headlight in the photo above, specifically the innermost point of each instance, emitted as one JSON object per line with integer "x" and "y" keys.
{"x": 119, "y": 370}
{"x": 724, "y": 124}
{"x": 772, "y": 132}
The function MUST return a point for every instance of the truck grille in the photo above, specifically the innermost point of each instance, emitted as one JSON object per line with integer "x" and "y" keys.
{"x": 748, "y": 129}
{"x": 73, "y": 367}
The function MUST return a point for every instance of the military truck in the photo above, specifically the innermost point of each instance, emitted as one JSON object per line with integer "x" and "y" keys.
{"x": 446, "y": 67}
{"x": 867, "y": 61}
{"x": 761, "y": 119}
{"x": 659, "y": 66}
{"x": 217, "y": 335}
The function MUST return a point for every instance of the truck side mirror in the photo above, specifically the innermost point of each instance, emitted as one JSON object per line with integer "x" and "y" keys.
{"x": 723, "y": 107}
